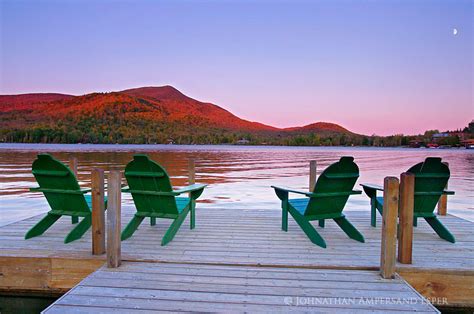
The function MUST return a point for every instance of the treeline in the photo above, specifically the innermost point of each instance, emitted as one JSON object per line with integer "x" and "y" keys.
{"x": 104, "y": 132}
{"x": 125, "y": 128}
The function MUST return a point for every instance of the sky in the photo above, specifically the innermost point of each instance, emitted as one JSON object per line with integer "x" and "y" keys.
{"x": 375, "y": 67}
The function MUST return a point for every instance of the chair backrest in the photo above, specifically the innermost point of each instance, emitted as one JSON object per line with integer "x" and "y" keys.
{"x": 56, "y": 179}
{"x": 340, "y": 177}
{"x": 144, "y": 174}
{"x": 431, "y": 177}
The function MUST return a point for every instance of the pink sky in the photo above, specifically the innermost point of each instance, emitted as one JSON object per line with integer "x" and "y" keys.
{"x": 373, "y": 67}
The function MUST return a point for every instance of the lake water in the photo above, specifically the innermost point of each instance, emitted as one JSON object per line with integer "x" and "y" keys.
{"x": 238, "y": 176}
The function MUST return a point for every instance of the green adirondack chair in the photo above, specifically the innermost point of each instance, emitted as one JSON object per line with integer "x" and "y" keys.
{"x": 330, "y": 195}
{"x": 431, "y": 177}
{"x": 154, "y": 197}
{"x": 64, "y": 195}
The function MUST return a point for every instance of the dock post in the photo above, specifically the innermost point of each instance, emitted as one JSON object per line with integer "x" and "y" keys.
{"x": 406, "y": 208}
{"x": 389, "y": 227}
{"x": 73, "y": 167}
{"x": 191, "y": 171}
{"x": 98, "y": 212}
{"x": 443, "y": 201}
{"x": 312, "y": 175}
{"x": 113, "y": 219}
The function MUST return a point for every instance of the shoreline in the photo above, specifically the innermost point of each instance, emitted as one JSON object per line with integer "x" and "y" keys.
{"x": 78, "y": 147}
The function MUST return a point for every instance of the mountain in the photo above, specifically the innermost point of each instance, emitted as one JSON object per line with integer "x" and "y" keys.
{"x": 28, "y": 101}
{"x": 142, "y": 115}
{"x": 179, "y": 105}
{"x": 318, "y": 127}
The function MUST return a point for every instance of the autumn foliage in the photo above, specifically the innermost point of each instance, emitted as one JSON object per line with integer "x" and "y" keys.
{"x": 145, "y": 115}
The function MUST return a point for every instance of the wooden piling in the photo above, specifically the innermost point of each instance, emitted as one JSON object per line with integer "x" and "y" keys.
{"x": 389, "y": 227}
{"x": 312, "y": 175}
{"x": 113, "y": 219}
{"x": 98, "y": 212}
{"x": 73, "y": 165}
{"x": 191, "y": 171}
{"x": 406, "y": 208}
{"x": 443, "y": 201}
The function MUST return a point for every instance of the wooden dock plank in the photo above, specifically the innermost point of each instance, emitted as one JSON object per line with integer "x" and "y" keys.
{"x": 255, "y": 238}
{"x": 240, "y": 237}
{"x": 178, "y": 287}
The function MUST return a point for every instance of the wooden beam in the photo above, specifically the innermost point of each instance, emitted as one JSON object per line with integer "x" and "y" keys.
{"x": 389, "y": 227}
{"x": 312, "y": 175}
{"x": 98, "y": 212}
{"x": 113, "y": 219}
{"x": 443, "y": 201}
{"x": 442, "y": 287}
{"x": 45, "y": 276}
{"x": 406, "y": 208}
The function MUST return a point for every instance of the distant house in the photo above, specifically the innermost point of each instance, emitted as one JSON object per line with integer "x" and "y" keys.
{"x": 439, "y": 136}
{"x": 469, "y": 144}
{"x": 461, "y": 135}
{"x": 436, "y": 137}
{"x": 416, "y": 143}
{"x": 242, "y": 141}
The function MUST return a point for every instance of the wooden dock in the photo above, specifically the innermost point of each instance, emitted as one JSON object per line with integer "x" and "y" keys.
{"x": 441, "y": 271}
{"x": 138, "y": 287}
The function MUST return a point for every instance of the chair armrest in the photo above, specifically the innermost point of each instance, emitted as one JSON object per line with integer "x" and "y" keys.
{"x": 447, "y": 192}
{"x": 190, "y": 188}
{"x": 371, "y": 189}
{"x": 372, "y": 186}
{"x": 60, "y": 191}
{"x": 282, "y": 192}
{"x": 195, "y": 190}
{"x": 288, "y": 190}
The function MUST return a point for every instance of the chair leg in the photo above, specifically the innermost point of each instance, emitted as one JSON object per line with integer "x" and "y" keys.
{"x": 321, "y": 223}
{"x": 174, "y": 227}
{"x": 74, "y": 219}
{"x": 308, "y": 229}
{"x": 349, "y": 229}
{"x": 192, "y": 217}
{"x": 415, "y": 221}
{"x": 79, "y": 230}
{"x": 373, "y": 212}
{"x": 284, "y": 217}
{"x": 131, "y": 227}
{"x": 152, "y": 221}
{"x": 440, "y": 229}
{"x": 42, "y": 225}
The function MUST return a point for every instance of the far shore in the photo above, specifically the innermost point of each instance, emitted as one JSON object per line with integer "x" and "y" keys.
{"x": 147, "y": 147}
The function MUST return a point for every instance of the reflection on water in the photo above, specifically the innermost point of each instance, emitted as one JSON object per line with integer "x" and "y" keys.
{"x": 238, "y": 176}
